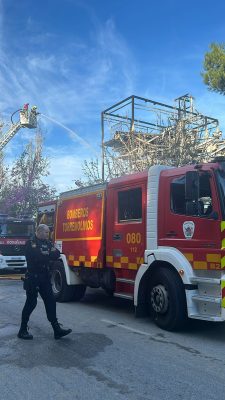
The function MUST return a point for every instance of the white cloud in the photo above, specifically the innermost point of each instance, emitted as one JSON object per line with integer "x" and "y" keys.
{"x": 65, "y": 168}
{"x": 81, "y": 77}
{"x": 71, "y": 85}
{"x": 35, "y": 64}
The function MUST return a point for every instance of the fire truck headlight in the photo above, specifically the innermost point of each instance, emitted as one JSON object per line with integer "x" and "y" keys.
{"x": 1, "y": 261}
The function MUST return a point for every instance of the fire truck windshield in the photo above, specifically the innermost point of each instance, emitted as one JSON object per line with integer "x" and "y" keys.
{"x": 16, "y": 229}
{"x": 221, "y": 186}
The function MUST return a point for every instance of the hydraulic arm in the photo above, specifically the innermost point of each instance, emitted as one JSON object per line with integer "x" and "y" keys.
{"x": 28, "y": 119}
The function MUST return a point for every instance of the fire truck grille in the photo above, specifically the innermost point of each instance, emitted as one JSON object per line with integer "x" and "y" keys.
{"x": 16, "y": 263}
{"x": 12, "y": 250}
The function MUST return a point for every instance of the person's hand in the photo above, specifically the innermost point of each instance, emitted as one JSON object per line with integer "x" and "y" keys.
{"x": 45, "y": 253}
{"x": 53, "y": 249}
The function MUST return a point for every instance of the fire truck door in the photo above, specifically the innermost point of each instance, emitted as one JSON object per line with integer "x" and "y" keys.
{"x": 195, "y": 232}
{"x": 126, "y": 235}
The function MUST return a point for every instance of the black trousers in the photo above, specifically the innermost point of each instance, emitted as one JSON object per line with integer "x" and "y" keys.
{"x": 39, "y": 283}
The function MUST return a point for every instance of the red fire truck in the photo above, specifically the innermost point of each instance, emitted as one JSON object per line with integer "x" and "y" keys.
{"x": 14, "y": 232}
{"x": 156, "y": 237}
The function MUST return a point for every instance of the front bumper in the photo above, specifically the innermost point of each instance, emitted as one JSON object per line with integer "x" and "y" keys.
{"x": 13, "y": 262}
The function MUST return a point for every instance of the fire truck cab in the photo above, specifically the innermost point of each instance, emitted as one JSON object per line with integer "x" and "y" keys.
{"x": 156, "y": 237}
{"x": 14, "y": 232}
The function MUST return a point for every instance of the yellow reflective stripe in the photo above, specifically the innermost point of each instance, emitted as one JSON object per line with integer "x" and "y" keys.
{"x": 76, "y": 263}
{"x": 124, "y": 260}
{"x": 109, "y": 258}
{"x": 87, "y": 263}
{"x": 132, "y": 266}
{"x": 222, "y": 284}
{"x": 213, "y": 258}
{"x": 222, "y": 226}
{"x": 189, "y": 256}
{"x": 223, "y": 244}
{"x": 117, "y": 265}
{"x": 200, "y": 265}
{"x": 81, "y": 258}
{"x": 223, "y": 262}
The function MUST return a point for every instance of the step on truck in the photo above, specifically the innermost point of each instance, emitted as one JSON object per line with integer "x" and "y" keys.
{"x": 14, "y": 232}
{"x": 155, "y": 237}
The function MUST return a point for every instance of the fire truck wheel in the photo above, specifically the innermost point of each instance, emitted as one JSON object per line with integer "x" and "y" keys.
{"x": 166, "y": 300}
{"x": 63, "y": 292}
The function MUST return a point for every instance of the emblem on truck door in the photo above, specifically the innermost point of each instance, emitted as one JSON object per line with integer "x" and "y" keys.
{"x": 188, "y": 229}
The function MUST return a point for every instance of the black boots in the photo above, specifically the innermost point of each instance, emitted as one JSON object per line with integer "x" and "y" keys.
{"x": 58, "y": 331}
{"x": 24, "y": 334}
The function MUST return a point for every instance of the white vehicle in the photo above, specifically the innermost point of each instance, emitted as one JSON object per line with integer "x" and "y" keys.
{"x": 14, "y": 232}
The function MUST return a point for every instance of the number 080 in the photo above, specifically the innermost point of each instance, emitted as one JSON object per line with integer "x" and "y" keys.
{"x": 133, "y": 238}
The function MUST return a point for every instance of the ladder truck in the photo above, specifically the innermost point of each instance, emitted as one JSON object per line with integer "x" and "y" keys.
{"x": 27, "y": 119}
{"x": 14, "y": 231}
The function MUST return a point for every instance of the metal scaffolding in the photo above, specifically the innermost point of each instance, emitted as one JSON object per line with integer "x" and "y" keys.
{"x": 139, "y": 132}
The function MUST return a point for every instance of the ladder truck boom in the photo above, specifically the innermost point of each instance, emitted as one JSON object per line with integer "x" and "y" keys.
{"x": 9, "y": 134}
{"x": 28, "y": 119}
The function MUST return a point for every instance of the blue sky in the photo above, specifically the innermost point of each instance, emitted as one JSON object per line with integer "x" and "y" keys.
{"x": 73, "y": 59}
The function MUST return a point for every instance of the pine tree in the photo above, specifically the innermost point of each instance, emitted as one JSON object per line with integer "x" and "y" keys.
{"x": 214, "y": 68}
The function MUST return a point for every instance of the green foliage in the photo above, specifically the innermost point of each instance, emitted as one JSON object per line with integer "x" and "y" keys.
{"x": 214, "y": 68}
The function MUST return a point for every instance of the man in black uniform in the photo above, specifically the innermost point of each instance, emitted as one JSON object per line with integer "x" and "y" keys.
{"x": 39, "y": 252}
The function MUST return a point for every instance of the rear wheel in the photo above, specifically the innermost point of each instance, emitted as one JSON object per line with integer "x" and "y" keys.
{"x": 167, "y": 300}
{"x": 63, "y": 292}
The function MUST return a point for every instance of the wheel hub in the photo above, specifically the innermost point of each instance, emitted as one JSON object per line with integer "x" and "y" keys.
{"x": 159, "y": 299}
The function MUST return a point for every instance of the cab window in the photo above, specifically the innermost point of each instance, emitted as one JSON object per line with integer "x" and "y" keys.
{"x": 130, "y": 205}
{"x": 202, "y": 207}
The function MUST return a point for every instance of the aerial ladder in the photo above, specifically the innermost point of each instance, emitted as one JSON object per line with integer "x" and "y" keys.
{"x": 27, "y": 119}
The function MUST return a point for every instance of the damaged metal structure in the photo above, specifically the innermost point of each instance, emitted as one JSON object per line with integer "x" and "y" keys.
{"x": 138, "y": 132}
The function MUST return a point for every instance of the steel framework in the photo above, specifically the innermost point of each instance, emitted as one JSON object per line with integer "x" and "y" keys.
{"x": 139, "y": 132}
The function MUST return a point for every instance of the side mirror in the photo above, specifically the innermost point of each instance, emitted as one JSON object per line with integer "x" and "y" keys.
{"x": 191, "y": 186}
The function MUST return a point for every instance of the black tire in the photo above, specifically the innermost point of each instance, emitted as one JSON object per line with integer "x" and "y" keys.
{"x": 109, "y": 292}
{"x": 63, "y": 292}
{"x": 167, "y": 300}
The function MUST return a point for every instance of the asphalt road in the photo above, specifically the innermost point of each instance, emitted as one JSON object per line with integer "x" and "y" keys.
{"x": 109, "y": 355}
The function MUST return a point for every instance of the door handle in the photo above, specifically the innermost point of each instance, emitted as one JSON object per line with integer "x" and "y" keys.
{"x": 171, "y": 234}
{"x": 206, "y": 245}
{"x": 117, "y": 236}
